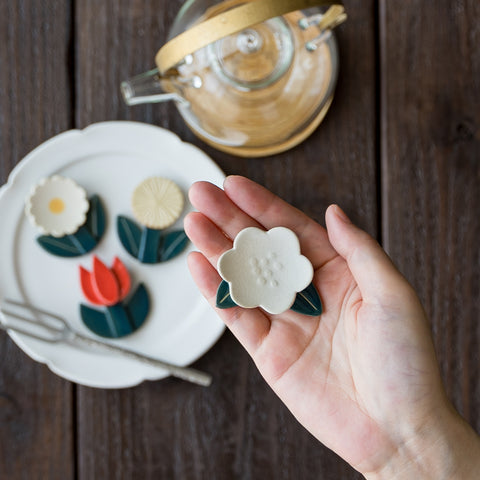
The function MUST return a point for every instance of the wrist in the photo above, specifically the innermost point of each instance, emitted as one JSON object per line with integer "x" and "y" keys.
{"x": 446, "y": 449}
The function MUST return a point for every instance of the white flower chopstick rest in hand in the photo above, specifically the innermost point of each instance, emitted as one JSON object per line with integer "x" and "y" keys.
{"x": 266, "y": 269}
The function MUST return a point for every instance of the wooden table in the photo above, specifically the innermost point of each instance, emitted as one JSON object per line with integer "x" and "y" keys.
{"x": 399, "y": 150}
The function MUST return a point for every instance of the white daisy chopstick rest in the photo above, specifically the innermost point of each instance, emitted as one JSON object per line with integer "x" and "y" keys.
{"x": 266, "y": 269}
{"x": 71, "y": 224}
{"x": 57, "y": 206}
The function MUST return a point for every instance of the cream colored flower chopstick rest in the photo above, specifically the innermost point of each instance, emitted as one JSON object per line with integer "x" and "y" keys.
{"x": 157, "y": 204}
{"x": 267, "y": 270}
{"x": 71, "y": 224}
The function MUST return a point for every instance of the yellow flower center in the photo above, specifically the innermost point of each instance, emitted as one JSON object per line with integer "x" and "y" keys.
{"x": 56, "y": 205}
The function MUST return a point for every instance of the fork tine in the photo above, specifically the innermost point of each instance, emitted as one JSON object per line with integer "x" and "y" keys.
{"x": 31, "y": 321}
{"x": 7, "y": 328}
{"x": 33, "y": 309}
{"x": 54, "y": 336}
{"x": 49, "y": 326}
{"x": 68, "y": 335}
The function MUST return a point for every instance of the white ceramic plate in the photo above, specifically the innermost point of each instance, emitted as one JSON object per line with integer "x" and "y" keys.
{"x": 109, "y": 159}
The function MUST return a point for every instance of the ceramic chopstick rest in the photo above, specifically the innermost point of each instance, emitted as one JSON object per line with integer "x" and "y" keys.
{"x": 266, "y": 269}
{"x": 157, "y": 204}
{"x": 57, "y": 206}
{"x": 71, "y": 224}
{"x": 108, "y": 287}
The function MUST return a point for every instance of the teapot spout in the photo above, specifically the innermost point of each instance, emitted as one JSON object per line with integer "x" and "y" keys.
{"x": 147, "y": 88}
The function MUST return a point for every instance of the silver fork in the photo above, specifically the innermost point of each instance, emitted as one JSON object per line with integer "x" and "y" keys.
{"x": 53, "y": 328}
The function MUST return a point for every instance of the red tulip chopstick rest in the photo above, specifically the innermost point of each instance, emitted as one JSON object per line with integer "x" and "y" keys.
{"x": 109, "y": 287}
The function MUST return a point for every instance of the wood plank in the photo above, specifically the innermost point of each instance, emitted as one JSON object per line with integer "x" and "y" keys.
{"x": 36, "y": 437}
{"x": 237, "y": 428}
{"x": 431, "y": 172}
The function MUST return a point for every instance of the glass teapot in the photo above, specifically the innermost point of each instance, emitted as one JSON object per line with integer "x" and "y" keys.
{"x": 252, "y": 78}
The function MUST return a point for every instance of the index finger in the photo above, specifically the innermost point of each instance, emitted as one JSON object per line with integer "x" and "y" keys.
{"x": 271, "y": 211}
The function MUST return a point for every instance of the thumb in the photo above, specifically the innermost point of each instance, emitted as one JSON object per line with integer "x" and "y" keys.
{"x": 374, "y": 272}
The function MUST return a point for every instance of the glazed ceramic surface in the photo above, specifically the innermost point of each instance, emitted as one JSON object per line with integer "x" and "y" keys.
{"x": 109, "y": 159}
{"x": 57, "y": 206}
{"x": 157, "y": 203}
{"x": 265, "y": 269}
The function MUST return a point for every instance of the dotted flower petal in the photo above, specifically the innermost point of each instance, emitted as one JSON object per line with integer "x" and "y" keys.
{"x": 265, "y": 269}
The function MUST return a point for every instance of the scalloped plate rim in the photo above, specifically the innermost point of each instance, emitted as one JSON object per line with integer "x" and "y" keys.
{"x": 11, "y": 183}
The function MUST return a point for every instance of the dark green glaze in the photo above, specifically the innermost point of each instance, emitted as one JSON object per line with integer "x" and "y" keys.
{"x": 173, "y": 243}
{"x": 138, "y": 306}
{"x": 62, "y": 246}
{"x": 96, "y": 321}
{"x": 307, "y": 302}
{"x": 96, "y": 220}
{"x": 118, "y": 320}
{"x": 84, "y": 240}
{"x": 130, "y": 235}
{"x": 111, "y": 323}
{"x": 148, "y": 248}
{"x": 224, "y": 300}
{"x": 148, "y": 245}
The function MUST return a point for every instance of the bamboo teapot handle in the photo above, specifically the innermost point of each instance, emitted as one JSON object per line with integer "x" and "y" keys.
{"x": 233, "y": 21}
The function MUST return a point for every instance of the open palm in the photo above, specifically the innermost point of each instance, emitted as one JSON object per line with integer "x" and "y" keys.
{"x": 350, "y": 374}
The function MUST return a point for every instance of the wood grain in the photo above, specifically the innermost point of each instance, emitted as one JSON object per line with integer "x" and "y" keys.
{"x": 238, "y": 428}
{"x": 36, "y": 436}
{"x": 430, "y": 174}
{"x": 61, "y": 68}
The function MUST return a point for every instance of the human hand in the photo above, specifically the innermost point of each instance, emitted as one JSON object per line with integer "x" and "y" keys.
{"x": 362, "y": 377}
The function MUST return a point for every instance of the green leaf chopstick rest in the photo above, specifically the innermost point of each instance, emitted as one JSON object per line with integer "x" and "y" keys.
{"x": 148, "y": 245}
{"x": 267, "y": 270}
{"x": 307, "y": 302}
{"x": 157, "y": 203}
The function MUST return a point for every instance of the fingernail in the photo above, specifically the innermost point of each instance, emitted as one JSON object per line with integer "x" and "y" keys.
{"x": 341, "y": 215}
